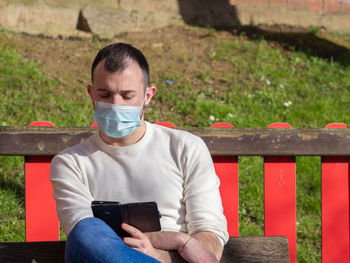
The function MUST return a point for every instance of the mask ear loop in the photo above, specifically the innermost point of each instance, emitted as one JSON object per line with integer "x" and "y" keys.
{"x": 144, "y": 99}
{"x": 143, "y": 106}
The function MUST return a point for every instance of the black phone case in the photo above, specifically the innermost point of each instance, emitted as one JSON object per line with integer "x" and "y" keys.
{"x": 144, "y": 215}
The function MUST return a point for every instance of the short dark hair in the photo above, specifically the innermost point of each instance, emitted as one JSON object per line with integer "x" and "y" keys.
{"x": 118, "y": 56}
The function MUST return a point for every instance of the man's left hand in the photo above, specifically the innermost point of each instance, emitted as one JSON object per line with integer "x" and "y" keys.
{"x": 139, "y": 241}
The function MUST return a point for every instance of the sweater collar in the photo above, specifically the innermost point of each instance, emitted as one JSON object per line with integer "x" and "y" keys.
{"x": 124, "y": 149}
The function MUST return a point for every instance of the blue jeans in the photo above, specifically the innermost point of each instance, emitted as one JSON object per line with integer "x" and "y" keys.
{"x": 92, "y": 240}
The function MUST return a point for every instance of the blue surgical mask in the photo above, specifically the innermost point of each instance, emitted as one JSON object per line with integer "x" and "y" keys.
{"x": 117, "y": 121}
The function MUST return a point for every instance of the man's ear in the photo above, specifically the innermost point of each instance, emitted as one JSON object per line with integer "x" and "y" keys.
{"x": 89, "y": 90}
{"x": 150, "y": 91}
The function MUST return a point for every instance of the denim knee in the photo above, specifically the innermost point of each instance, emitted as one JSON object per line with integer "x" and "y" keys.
{"x": 89, "y": 241}
{"x": 92, "y": 240}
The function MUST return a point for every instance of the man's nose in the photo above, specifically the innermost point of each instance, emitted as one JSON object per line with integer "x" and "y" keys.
{"x": 115, "y": 99}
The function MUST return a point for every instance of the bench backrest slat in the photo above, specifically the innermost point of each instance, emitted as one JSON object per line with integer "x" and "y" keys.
{"x": 226, "y": 167}
{"x": 41, "y": 217}
{"x": 36, "y": 141}
{"x": 335, "y": 209}
{"x": 280, "y": 199}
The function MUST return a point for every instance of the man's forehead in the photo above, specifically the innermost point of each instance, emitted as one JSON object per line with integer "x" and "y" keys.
{"x": 132, "y": 69}
{"x": 101, "y": 69}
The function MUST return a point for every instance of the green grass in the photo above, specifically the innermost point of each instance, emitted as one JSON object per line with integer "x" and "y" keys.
{"x": 12, "y": 215}
{"x": 261, "y": 85}
{"x": 28, "y": 95}
{"x": 247, "y": 83}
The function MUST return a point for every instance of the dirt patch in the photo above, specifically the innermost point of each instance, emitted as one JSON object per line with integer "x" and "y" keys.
{"x": 180, "y": 50}
{"x": 176, "y": 48}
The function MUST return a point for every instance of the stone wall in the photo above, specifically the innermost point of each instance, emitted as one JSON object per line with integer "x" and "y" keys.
{"x": 107, "y": 18}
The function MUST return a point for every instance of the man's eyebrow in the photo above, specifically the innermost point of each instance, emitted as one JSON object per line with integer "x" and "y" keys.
{"x": 127, "y": 91}
{"x": 102, "y": 89}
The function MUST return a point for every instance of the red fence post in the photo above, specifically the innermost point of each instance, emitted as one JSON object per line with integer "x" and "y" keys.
{"x": 280, "y": 197}
{"x": 41, "y": 217}
{"x": 335, "y": 207}
{"x": 226, "y": 167}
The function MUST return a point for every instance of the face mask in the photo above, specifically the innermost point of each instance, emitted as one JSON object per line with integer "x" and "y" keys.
{"x": 117, "y": 121}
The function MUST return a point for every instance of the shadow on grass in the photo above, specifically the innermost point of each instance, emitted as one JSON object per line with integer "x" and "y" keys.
{"x": 298, "y": 39}
{"x": 11, "y": 177}
{"x": 222, "y": 15}
{"x": 15, "y": 188}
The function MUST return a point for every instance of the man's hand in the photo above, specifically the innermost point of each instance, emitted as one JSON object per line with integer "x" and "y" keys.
{"x": 160, "y": 244}
{"x": 140, "y": 242}
{"x": 190, "y": 248}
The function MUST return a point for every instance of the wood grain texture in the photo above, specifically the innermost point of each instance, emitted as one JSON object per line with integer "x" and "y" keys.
{"x": 256, "y": 250}
{"x": 238, "y": 249}
{"x": 220, "y": 141}
{"x": 32, "y": 252}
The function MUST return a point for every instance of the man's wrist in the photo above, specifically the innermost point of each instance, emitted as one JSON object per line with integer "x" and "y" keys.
{"x": 181, "y": 239}
{"x": 183, "y": 246}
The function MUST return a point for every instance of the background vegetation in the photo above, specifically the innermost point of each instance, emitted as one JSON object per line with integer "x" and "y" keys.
{"x": 236, "y": 77}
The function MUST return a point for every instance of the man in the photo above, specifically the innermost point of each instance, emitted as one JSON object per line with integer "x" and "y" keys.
{"x": 131, "y": 160}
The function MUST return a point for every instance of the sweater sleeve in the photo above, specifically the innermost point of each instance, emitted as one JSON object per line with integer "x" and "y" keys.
{"x": 204, "y": 211}
{"x": 70, "y": 190}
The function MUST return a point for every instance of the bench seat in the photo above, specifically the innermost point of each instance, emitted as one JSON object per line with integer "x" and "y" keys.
{"x": 238, "y": 249}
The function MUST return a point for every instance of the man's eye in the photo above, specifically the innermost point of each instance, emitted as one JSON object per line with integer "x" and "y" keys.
{"x": 104, "y": 96}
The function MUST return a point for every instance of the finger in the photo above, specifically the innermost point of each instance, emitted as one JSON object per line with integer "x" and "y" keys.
{"x": 132, "y": 242}
{"x": 133, "y": 231}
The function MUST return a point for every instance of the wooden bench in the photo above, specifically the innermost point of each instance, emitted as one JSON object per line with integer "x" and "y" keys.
{"x": 279, "y": 148}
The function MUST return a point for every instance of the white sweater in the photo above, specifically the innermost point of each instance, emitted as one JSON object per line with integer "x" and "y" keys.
{"x": 171, "y": 167}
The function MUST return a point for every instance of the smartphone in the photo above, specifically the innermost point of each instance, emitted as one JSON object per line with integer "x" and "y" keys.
{"x": 143, "y": 215}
